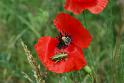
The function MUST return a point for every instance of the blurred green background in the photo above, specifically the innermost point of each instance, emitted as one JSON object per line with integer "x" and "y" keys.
{"x": 31, "y": 19}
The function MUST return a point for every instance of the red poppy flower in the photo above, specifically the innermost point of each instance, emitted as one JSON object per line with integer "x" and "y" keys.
{"x": 71, "y": 27}
{"x": 64, "y": 53}
{"x": 47, "y": 50}
{"x": 77, "y": 6}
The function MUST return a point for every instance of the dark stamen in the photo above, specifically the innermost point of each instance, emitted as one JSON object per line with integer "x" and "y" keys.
{"x": 64, "y": 41}
{"x": 67, "y": 40}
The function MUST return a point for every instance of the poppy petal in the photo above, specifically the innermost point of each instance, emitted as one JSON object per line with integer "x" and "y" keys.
{"x": 77, "y": 6}
{"x": 101, "y": 4}
{"x": 76, "y": 60}
{"x": 70, "y": 25}
{"x": 71, "y": 6}
{"x": 42, "y": 47}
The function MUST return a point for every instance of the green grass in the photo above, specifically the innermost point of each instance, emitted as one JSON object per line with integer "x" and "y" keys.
{"x": 31, "y": 19}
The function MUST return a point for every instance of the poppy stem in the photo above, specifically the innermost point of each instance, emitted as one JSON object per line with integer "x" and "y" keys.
{"x": 84, "y": 17}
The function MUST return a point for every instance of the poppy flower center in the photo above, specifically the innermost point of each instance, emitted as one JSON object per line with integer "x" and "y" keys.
{"x": 64, "y": 41}
{"x": 67, "y": 40}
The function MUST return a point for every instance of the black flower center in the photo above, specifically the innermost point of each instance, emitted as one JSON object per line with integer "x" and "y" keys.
{"x": 64, "y": 41}
{"x": 67, "y": 40}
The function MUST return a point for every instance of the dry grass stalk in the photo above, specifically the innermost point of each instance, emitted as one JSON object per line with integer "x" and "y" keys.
{"x": 36, "y": 70}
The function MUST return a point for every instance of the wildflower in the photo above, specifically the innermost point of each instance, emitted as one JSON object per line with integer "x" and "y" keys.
{"x": 64, "y": 53}
{"x": 77, "y": 6}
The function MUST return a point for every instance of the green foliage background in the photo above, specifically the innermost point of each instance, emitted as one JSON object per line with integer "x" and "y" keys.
{"x": 31, "y": 19}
